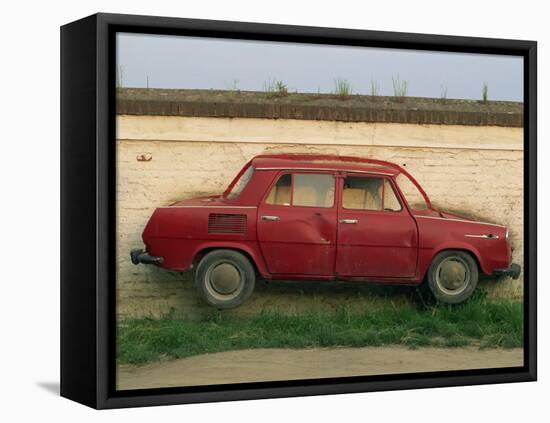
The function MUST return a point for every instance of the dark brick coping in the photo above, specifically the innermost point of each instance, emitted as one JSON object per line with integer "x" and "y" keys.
{"x": 355, "y": 108}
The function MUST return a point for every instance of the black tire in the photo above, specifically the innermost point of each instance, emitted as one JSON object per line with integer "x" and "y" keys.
{"x": 453, "y": 276}
{"x": 225, "y": 278}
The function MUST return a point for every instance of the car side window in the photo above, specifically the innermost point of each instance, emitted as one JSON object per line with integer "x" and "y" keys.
{"x": 369, "y": 193}
{"x": 391, "y": 202}
{"x": 303, "y": 189}
{"x": 362, "y": 193}
{"x": 313, "y": 190}
{"x": 280, "y": 194}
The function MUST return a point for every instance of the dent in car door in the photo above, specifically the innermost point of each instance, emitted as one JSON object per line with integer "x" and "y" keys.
{"x": 296, "y": 225}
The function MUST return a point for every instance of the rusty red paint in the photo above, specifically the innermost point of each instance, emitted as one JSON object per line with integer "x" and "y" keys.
{"x": 310, "y": 242}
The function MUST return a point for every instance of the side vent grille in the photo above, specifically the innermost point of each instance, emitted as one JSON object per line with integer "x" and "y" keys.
{"x": 226, "y": 223}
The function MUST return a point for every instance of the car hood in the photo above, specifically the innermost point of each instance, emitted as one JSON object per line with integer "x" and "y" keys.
{"x": 440, "y": 213}
{"x": 451, "y": 216}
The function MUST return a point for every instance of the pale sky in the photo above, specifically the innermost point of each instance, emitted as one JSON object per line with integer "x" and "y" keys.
{"x": 165, "y": 61}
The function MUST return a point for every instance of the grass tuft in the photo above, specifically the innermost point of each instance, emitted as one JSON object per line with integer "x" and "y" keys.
{"x": 443, "y": 94}
{"x": 477, "y": 322}
{"x": 485, "y": 92}
{"x": 374, "y": 88}
{"x": 400, "y": 88}
{"x": 342, "y": 88}
{"x": 275, "y": 88}
{"x": 119, "y": 76}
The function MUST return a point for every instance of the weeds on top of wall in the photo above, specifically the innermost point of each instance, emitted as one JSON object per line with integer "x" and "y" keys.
{"x": 119, "y": 76}
{"x": 275, "y": 88}
{"x": 443, "y": 95}
{"x": 342, "y": 88}
{"x": 400, "y": 88}
{"x": 374, "y": 88}
{"x": 233, "y": 87}
{"x": 485, "y": 92}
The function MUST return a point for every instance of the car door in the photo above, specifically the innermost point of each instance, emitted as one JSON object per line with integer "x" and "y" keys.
{"x": 377, "y": 237}
{"x": 297, "y": 224}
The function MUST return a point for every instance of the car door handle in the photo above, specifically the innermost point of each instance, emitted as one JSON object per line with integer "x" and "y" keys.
{"x": 272, "y": 218}
{"x": 348, "y": 221}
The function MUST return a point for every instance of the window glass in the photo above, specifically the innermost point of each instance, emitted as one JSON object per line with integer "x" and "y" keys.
{"x": 391, "y": 203}
{"x": 241, "y": 183}
{"x": 308, "y": 190}
{"x": 412, "y": 194}
{"x": 313, "y": 190}
{"x": 280, "y": 193}
{"x": 362, "y": 193}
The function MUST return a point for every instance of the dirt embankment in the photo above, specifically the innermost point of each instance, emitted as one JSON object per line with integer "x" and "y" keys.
{"x": 285, "y": 364}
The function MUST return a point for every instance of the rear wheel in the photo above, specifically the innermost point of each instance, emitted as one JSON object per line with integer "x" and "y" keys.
{"x": 453, "y": 276}
{"x": 225, "y": 278}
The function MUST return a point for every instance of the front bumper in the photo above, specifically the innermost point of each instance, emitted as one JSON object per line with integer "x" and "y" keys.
{"x": 513, "y": 271}
{"x": 140, "y": 256}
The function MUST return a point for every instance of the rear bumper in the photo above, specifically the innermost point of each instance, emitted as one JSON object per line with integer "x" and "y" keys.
{"x": 140, "y": 256}
{"x": 513, "y": 271}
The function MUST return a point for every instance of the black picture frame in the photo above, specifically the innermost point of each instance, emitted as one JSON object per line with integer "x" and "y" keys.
{"x": 88, "y": 209}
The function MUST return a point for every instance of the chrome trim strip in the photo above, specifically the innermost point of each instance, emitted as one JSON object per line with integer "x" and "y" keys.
{"x": 326, "y": 169}
{"x": 459, "y": 220}
{"x": 207, "y": 207}
{"x": 481, "y": 236}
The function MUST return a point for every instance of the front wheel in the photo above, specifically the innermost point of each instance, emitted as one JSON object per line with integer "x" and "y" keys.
{"x": 453, "y": 276}
{"x": 225, "y": 278}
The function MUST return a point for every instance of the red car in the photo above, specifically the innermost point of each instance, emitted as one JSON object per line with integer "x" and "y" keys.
{"x": 320, "y": 217}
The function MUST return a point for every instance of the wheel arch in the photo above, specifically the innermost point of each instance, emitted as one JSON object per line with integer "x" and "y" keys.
{"x": 471, "y": 251}
{"x": 464, "y": 248}
{"x": 255, "y": 259}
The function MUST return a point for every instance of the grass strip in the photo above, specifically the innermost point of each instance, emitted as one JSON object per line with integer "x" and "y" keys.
{"x": 477, "y": 322}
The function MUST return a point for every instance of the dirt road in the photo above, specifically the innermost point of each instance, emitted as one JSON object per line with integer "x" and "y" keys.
{"x": 285, "y": 364}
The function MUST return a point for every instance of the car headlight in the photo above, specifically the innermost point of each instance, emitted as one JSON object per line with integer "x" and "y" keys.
{"x": 507, "y": 233}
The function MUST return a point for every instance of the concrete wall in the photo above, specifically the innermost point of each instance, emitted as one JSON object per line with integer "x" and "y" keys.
{"x": 160, "y": 159}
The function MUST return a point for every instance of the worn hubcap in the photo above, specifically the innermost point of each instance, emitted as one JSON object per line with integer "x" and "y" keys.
{"x": 225, "y": 278}
{"x": 452, "y": 275}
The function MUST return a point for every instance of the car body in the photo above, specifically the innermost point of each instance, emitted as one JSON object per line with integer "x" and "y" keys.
{"x": 323, "y": 217}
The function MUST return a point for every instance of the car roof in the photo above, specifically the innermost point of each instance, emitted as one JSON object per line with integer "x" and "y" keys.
{"x": 324, "y": 162}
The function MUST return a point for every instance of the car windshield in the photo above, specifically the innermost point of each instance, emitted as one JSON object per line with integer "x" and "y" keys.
{"x": 240, "y": 184}
{"x": 414, "y": 197}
